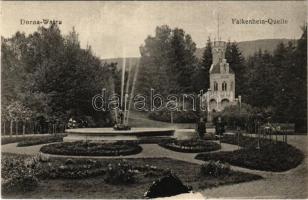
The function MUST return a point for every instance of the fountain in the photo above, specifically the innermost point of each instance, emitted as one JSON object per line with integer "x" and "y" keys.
{"x": 121, "y": 130}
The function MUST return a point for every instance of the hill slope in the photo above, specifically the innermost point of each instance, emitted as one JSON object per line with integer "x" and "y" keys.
{"x": 247, "y": 48}
{"x": 130, "y": 61}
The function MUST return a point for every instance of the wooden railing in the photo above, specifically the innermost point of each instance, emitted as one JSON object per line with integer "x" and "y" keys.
{"x": 30, "y": 127}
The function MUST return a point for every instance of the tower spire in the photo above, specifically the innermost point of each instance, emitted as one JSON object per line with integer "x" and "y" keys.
{"x": 218, "y": 38}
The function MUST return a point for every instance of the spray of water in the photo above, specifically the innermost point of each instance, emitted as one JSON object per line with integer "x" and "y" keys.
{"x": 133, "y": 89}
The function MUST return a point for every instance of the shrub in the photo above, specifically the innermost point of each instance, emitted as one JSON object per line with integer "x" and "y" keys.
{"x": 168, "y": 185}
{"x": 215, "y": 168}
{"x": 152, "y": 171}
{"x": 18, "y": 174}
{"x": 178, "y": 116}
{"x": 120, "y": 173}
{"x": 92, "y": 149}
{"x": 232, "y": 116}
{"x": 190, "y": 146}
{"x": 24, "y": 138}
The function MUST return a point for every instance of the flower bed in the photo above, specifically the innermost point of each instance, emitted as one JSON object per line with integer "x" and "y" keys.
{"x": 270, "y": 157}
{"x": 191, "y": 146}
{"x": 92, "y": 149}
{"x": 40, "y": 140}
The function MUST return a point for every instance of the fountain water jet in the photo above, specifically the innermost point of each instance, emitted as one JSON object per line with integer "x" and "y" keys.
{"x": 121, "y": 130}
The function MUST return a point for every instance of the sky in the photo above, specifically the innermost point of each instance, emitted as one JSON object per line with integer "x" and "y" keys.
{"x": 118, "y": 29}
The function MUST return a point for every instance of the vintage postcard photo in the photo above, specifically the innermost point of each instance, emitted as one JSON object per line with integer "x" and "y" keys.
{"x": 154, "y": 99}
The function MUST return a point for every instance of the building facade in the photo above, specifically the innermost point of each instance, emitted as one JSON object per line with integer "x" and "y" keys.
{"x": 222, "y": 82}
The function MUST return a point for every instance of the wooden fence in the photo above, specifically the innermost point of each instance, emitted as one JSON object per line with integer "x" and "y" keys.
{"x": 30, "y": 127}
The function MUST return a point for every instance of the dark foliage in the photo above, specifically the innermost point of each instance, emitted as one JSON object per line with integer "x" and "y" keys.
{"x": 215, "y": 168}
{"x": 120, "y": 173}
{"x": 168, "y": 185}
{"x": 190, "y": 146}
{"x": 92, "y": 149}
{"x": 53, "y": 76}
{"x": 188, "y": 116}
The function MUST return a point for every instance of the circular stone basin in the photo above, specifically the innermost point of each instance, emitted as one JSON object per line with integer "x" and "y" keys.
{"x": 116, "y": 135}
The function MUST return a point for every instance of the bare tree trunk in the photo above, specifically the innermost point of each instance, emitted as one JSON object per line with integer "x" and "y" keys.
{"x": 11, "y": 128}
{"x": 16, "y": 125}
{"x": 53, "y": 128}
{"x": 23, "y": 127}
{"x": 4, "y": 131}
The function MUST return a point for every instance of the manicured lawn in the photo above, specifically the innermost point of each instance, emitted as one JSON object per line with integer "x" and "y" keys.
{"x": 271, "y": 156}
{"x": 95, "y": 186}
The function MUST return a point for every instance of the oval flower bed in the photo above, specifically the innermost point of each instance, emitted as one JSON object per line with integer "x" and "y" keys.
{"x": 92, "y": 149}
{"x": 191, "y": 146}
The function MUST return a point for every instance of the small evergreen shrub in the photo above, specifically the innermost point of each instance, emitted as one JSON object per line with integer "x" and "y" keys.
{"x": 215, "y": 168}
{"x": 120, "y": 173}
{"x": 168, "y": 185}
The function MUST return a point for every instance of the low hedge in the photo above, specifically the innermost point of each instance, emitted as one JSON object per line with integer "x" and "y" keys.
{"x": 271, "y": 156}
{"x": 25, "y": 138}
{"x": 40, "y": 140}
{"x": 92, "y": 149}
{"x": 190, "y": 146}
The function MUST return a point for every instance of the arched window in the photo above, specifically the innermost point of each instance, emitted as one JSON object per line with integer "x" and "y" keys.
{"x": 215, "y": 86}
{"x": 231, "y": 87}
{"x": 224, "y": 86}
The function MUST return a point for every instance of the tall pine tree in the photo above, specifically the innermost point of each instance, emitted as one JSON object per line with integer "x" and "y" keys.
{"x": 237, "y": 64}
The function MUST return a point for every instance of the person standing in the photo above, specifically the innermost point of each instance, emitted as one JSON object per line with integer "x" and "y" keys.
{"x": 219, "y": 127}
{"x": 201, "y": 127}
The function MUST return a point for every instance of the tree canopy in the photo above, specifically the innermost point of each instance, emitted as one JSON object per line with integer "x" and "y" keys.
{"x": 52, "y": 75}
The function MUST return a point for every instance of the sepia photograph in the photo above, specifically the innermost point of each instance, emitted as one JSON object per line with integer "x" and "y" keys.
{"x": 154, "y": 100}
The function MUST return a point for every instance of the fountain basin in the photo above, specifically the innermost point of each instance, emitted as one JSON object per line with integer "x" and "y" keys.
{"x": 109, "y": 134}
